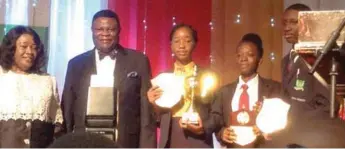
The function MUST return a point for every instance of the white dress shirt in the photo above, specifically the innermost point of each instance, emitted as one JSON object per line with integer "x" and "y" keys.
{"x": 253, "y": 92}
{"x": 106, "y": 66}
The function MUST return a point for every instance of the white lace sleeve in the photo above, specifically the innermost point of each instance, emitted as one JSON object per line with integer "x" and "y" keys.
{"x": 55, "y": 104}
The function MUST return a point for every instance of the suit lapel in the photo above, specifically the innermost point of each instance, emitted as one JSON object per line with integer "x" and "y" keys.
{"x": 290, "y": 75}
{"x": 228, "y": 103}
{"x": 264, "y": 89}
{"x": 120, "y": 67}
{"x": 89, "y": 65}
{"x": 232, "y": 91}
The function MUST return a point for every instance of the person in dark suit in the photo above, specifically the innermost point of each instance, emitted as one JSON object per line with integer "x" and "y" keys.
{"x": 309, "y": 122}
{"x": 306, "y": 92}
{"x": 245, "y": 93}
{"x": 131, "y": 72}
{"x": 175, "y": 133}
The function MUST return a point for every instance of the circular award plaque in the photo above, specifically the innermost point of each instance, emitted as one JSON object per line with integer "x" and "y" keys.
{"x": 243, "y": 117}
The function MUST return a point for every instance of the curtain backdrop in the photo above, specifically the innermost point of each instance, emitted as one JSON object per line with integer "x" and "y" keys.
{"x": 158, "y": 16}
{"x": 70, "y": 33}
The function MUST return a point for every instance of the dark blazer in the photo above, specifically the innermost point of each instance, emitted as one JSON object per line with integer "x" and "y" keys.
{"x": 309, "y": 122}
{"x": 221, "y": 106}
{"x": 314, "y": 97}
{"x": 202, "y": 108}
{"x": 136, "y": 118}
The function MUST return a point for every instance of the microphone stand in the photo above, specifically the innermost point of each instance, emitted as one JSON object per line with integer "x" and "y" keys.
{"x": 329, "y": 46}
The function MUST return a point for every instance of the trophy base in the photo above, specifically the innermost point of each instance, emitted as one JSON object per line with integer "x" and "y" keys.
{"x": 190, "y": 118}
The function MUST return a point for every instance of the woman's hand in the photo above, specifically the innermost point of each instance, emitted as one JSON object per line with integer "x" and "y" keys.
{"x": 195, "y": 128}
{"x": 154, "y": 93}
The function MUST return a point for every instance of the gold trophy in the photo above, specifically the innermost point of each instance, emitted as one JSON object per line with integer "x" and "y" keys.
{"x": 191, "y": 116}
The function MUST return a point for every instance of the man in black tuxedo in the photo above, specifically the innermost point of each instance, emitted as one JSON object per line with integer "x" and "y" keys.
{"x": 229, "y": 98}
{"x": 131, "y": 72}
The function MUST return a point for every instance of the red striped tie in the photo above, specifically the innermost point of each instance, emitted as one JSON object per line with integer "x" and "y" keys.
{"x": 244, "y": 98}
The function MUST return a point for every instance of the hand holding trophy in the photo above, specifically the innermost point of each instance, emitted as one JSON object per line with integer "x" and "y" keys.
{"x": 194, "y": 126}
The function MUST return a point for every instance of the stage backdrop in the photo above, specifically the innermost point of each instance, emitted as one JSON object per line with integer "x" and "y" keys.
{"x": 220, "y": 24}
{"x": 146, "y": 25}
{"x": 231, "y": 20}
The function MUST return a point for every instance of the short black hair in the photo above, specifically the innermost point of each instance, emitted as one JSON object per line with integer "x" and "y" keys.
{"x": 107, "y": 13}
{"x": 178, "y": 26}
{"x": 256, "y": 40}
{"x": 8, "y": 48}
{"x": 83, "y": 140}
{"x": 298, "y": 7}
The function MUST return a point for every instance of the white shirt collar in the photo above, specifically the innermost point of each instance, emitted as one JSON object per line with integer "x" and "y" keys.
{"x": 104, "y": 66}
{"x": 251, "y": 82}
{"x": 96, "y": 54}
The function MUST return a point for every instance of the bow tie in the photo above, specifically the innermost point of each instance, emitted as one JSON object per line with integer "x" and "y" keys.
{"x": 111, "y": 54}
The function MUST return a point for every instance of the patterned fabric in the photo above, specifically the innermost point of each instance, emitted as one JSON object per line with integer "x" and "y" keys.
{"x": 29, "y": 97}
{"x": 29, "y": 108}
{"x": 186, "y": 71}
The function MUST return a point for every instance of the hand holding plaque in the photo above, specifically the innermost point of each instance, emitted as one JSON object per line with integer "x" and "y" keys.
{"x": 168, "y": 87}
{"x": 242, "y": 123}
{"x": 154, "y": 93}
{"x": 228, "y": 135}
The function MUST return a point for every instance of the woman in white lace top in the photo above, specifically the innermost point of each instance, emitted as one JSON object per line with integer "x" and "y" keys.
{"x": 29, "y": 103}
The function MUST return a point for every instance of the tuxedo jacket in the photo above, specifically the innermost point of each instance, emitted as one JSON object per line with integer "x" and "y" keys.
{"x": 221, "y": 106}
{"x": 202, "y": 107}
{"x": 132, "y": 74}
